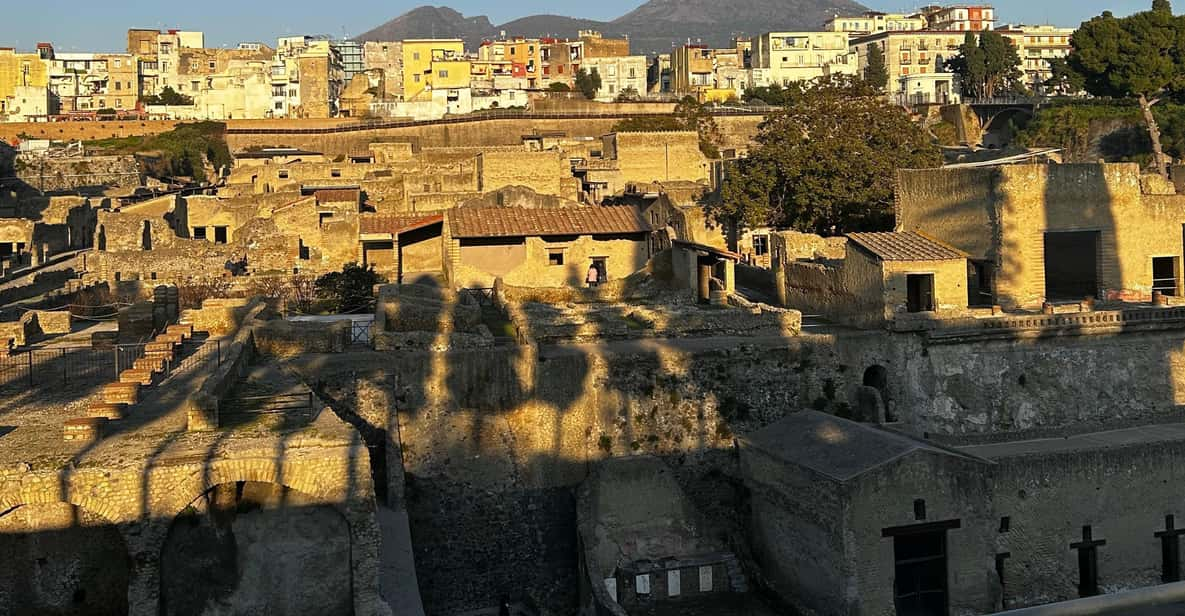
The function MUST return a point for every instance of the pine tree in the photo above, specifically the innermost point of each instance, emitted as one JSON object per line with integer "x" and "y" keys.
{"x": 876, "y": 74}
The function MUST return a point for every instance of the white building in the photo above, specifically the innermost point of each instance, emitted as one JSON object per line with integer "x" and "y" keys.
{"x": 618, "y": 74}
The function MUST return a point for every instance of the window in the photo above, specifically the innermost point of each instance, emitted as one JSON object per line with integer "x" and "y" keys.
{"x": 212, "y": 65}
{"x": 283, "y": 174}
{"x": 335, "y": 173}
{"x": 279, "y": 105}
{"x": 919, "y": 292}
{"x": 443, "y": 74}
{"x": 416, "y": 78}
{"x": 219, "y": 235}
{"x": 199, "y": 233}
{"x": 415, "y": 56}
{"x": 761, "y": 245}
{"x": 555, "y": 257}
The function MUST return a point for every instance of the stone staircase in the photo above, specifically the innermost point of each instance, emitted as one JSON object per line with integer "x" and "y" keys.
{"x": 119, "y": 397}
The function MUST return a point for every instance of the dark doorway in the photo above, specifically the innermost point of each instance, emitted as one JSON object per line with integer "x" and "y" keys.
{"x": 1164, "y": 275}
{"x": 920, "y": 586}
{"x": 920, "y": 289}
{"x": 979, "y": 284}
{"x": 219, "y": 235}
{"x": 1071, "y": 265}
{"x": 146, "y": 236}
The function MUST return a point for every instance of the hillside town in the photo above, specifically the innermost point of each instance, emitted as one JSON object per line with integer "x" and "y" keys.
{"x": 884, "y": 317}
{"x": 173, "y": 75}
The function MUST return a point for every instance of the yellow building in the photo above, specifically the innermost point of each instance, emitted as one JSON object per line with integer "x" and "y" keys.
{"x": 20, "y": 70}
{"x": 433, "y": 64}
{"x": 872, "y": 22}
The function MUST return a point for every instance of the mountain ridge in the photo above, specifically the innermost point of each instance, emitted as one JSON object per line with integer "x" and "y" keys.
{"x": 653, "y": 27}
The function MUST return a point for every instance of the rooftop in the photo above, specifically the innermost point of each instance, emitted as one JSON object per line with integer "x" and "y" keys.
{"x": 836, "y": 447}
{"x": 394, "y": 225}
{"x": 905, "y": 246}
{"x": 517, "y": 222}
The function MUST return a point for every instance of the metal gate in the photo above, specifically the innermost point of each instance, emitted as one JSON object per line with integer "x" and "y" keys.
{"x": 482, "y": 297}
{"x": 361, "y": 332}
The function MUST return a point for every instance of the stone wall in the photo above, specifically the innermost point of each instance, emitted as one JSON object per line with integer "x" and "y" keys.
{"x": 542, "y": 172}
{"x": 63, "y": 174}
{"x": 84, "y": 131}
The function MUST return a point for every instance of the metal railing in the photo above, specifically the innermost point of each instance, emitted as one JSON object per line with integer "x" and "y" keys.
{"x": 480, "y": 116}
{"x": 72, "y": 366}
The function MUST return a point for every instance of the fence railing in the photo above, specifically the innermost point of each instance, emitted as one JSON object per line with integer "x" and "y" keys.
{"x": 81, "y": 365}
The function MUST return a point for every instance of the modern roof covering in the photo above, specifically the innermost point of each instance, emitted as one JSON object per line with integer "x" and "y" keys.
{"x": 716, "y": 252}
{"x": 338, "y": 195}
{"x": 521, "y": 222}
{"x": 905, "y": 246}
{"x": 839, "y": 448}
{"x": 395, "y": 225}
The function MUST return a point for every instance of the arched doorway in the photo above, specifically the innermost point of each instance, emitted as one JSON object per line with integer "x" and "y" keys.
{"x": 1000, "y": 130}
{"x": 877, "y": 377}
{"x": 257, "y": 548}
{"x": 59, "y": 559}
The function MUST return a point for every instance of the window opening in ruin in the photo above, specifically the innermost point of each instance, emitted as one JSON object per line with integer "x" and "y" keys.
{"x": 1071, "y": 265}
{"x": 1005, "y": 524}
{"x": 5, "y": 250}
{"x": 1164, "y": 275}
{"x": 199, "y": 233}
{"x": 146, "y": 236}
{"x": 979, "y": 283}
{"x": 1170, "y": 550}
{"x": 919, "y": 509}
{"x": 1088, "y": 563}
{"x": 761, "y": 245}
{"x": 302, "y": 250}
{"x": 877, "y": 377}
{"x": 219, "y": 235}
{"x": 335, "y": 173}
{"x": 322, "y": 217}
{"x": 117, "y": 277}
{"x": 920, "y": 292}
{"x": 283, "y": 174}
{"x": 555, "y": 257}
{"x": 920, "y": 583}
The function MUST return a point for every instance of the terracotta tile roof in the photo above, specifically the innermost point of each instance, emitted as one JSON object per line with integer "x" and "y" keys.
{"x": 396, "y": 224}
{"x": 521, "y": 222}
{"x": 338, "y": 195}
{"x": 711, "y": 250}
{"x": 905, "y": 246}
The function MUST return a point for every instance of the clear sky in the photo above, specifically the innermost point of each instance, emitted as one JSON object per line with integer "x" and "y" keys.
{"x": 87, "y": 25}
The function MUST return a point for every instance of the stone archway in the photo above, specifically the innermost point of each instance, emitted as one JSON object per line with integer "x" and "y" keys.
{"x": 997, "y": 130}
{"x": 251, "y": 547}
{"x": 62, "y": 559}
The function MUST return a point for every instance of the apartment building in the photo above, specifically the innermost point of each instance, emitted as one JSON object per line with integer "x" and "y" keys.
{"x": 786, "y": 57}
{"x": 24, "y": 84}
{"x": 386, "y": 58}
{"x": 618, "y": 74}
{"x": 159, "y": 55}
{"x": 710, "y": 74}
{"x": 908, "y": 54}
{"x": 1041, "y": 45}
{"x": 961, "y": 18}
{"x": 352, "y": 57}
{"x": 872, "y": 22}
{"x": 430, "y": 64}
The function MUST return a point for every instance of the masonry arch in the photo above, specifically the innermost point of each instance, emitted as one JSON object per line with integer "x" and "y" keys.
{"x": 877, "y": 377}
{"x": 997, "y": 129}
{"x": 60, "y": 558}
{"x": 250, "y": 547}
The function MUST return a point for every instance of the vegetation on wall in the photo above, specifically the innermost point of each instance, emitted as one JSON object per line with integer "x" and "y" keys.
{"x": 1117, "y": 126}
{"x": 185, "y": 151}
{"x": 812, "y": 172}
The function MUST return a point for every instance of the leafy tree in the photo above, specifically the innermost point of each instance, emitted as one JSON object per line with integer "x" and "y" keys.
{"x": 167, "y": 96}
{"x": 825, "y": 165}
{"x": 876, "y": 74}
{"x": 988, "y": 65}
{"x": 1139, "y": 56}
{"x": 558, "y": 86}
{"x": 351, "y": 289}
{"x": 774, "y": 95}
{"x": 588, "y": 83}
{"x": 695, "y": 117}
{"x": 628, "y": 95}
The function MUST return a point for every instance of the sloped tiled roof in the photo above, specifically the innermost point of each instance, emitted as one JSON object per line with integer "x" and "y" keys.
{"x": 521, "y": 222}
{"x": 339, "y": 195}
{"x": 396, "y": 224}
{"x": 905, "y": 246}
